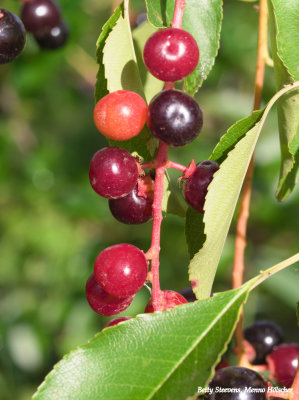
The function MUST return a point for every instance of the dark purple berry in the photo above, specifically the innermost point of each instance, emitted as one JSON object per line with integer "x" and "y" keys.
{"x": 121, "y": 270}
{"x": 113, "y": 172}
{"x": 12, "y": 36}
{"x": 171, "y": 54}
{"x": 116, "y": 321}
{"x": 39, "y": 16}
{"x": 237, "y": 383}
{"x": 53, "y": 39}
{"x": 174, "y": 117}
{"x": 102, "y": 302}
{"x": 263, "y": 336}
{"x": 283, "y": 363}
{"x": 196, "y": 186}
{"x": 188, "y": 294}
{"x": 134, "y": 208}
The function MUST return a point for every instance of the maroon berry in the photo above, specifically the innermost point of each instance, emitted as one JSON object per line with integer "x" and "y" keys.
{"x": 170, "y": 299}
{"x": 135, "y": 207}
{"x": 174, "y": 117}
{"x": 113, "y": 172}
{"x": 195, "y": 188}
{"x": 233, "y": 384}
{"x": 54, "y": 38}
{"x": 116, "y": 321}
{"x": 263, "y": 336}
{"x": 121, "y": 270}
{"x": 102, "y": 302}
{"x": 12, "y": 36}
{"x": 171, "y": 54}
{"x": 283, "y": 363}
{"x": 40, "y": 15}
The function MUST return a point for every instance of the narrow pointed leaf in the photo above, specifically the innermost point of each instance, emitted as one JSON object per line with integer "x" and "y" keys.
{"x": 284, "y": 31}
{"x": 221, "y": 200}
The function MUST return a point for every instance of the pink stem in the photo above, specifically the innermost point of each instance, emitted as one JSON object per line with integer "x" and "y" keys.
{"x": 178, "y": 14}
{"x": 154, "y": 251}
{"x": 150, "y": 164}
{"x": 180, "y": 167}
{"x": 295, "y": 386}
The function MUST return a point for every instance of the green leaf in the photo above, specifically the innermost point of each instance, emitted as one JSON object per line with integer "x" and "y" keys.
{"x": 170, "y": 201}
{"x": 203, "y": 20}
{"x": 284, "y": 31}
{"x": 151, "y": 85}
{"x": 221, "y": 199}
{"x": 118, "y": 70}
{"x": 194, "y": 231}
{"x": 153, "y": 356}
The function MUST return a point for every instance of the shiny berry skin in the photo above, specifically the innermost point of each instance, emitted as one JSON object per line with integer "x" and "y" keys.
{"x": 121, "y": 269}
{"x": 171, "y": 54}
{"x": 120, "y": 115}
{"x": 195, "y": 188}
{"x": 116, "y": 321}
{"x": 133, "y": 208}
{"x": 283, "y": 363}
{"x": 263, "y": 336}
{"x": 174, "y": 117}
{"x": 40, "y": 16}
{"x": 170, "y": 299}
{"x": 53, "y": 39}
{"x": 231, "y": 378}
{"x": 113, "y": 172}
{"x": 103, "y": 303}
{"x": 12, "y": 36}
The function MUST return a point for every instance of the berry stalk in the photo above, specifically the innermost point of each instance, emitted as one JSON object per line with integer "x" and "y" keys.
{"x": 154, "y": 251}
{"x": 178, "y": 14}
{"x": 240, "y": 242}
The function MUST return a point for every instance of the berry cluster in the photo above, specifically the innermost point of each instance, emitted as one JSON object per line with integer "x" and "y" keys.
{"x": 174, "y": 118}
{"x": 43, "y": 19}
{"x": 264, "y": 348}
{"x": 40, "y": 17}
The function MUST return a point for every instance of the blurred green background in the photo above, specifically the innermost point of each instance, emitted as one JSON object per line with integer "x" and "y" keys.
{"x": 52, "y": 224}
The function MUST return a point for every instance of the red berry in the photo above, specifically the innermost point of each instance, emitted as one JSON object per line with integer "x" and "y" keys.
{"x": 121, "y": 269}
{"x": 283, "y": 363}
{"x": 113, "y": 172}
{"x": 170, "y": 299}
{"x": 102, "y": 302}
{"x": 171, "y": 54}
{"x": 116, "y": 321}
{"x": 120, "y": 115}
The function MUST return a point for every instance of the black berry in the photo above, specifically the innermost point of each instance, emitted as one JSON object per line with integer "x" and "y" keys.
{"x": 174, "y": 117}
{"x": 237, "y": 383}
{"x": 263, "y": 336}
{"x": 196, "y": 186}
{"x": 54, "y": 38}
{"x": 12, "y": 36}
{"x": 39, "y": 16}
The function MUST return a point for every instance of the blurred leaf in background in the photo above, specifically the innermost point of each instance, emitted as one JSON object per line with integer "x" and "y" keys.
{"x": 52, "y": 225}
